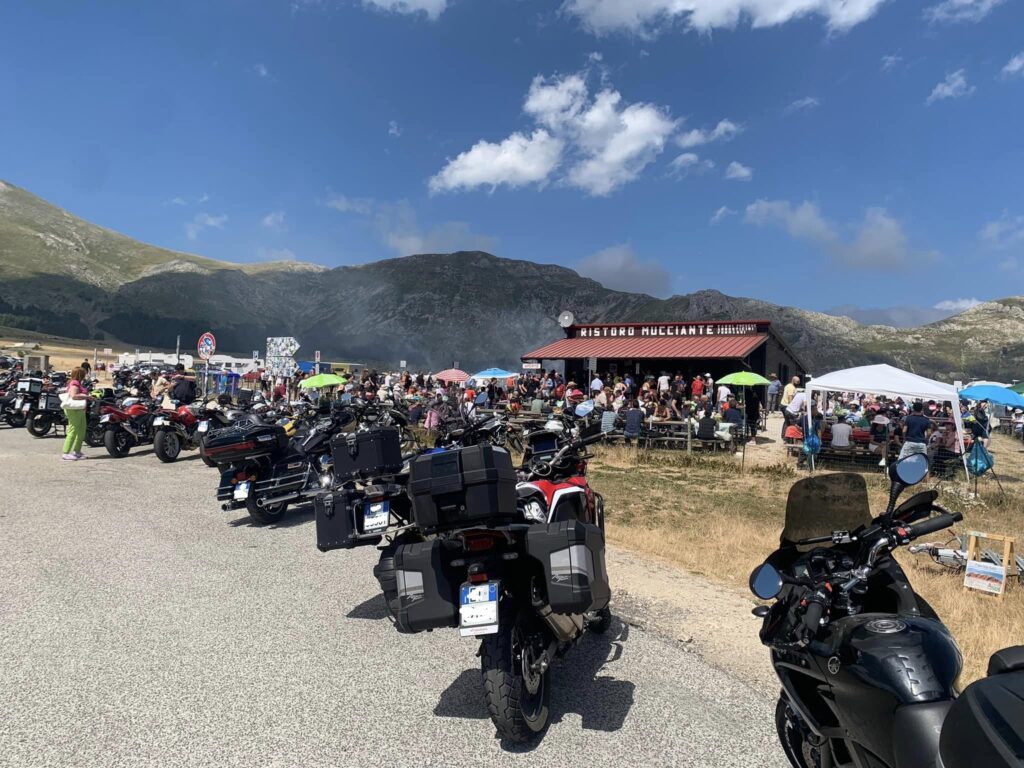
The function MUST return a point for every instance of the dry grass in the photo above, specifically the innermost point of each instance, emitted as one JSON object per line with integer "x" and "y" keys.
{"x": 699, "y": 512}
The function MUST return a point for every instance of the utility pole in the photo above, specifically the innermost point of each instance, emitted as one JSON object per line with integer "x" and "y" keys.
{"x": 177, "y": 350}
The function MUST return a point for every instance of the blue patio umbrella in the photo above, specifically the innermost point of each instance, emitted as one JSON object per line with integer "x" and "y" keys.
{"x": 994, "y": 394}
{"x": 493, "y": 373}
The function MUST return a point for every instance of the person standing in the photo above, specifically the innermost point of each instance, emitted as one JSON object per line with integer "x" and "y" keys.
{"x": 790, "y": 392}
{"x": 774, "y": 389}
{"x": 663, "y": 383}
{"x": 596, "y": 385}
{"x": 86, "y": 367}
{"x": 697, "y": 387}
{"x": 75, "y": 405}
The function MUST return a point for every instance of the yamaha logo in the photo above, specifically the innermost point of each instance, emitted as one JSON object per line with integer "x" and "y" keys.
{"x": 833, "y": 665}
{"x": 885, "y": 626}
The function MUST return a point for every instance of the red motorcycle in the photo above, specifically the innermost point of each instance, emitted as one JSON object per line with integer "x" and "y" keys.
{"x": 127, "y": 426}
{"x": 177, "y": 430}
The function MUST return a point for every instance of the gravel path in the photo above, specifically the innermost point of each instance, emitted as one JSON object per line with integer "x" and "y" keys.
{"x": 140, "y": 625}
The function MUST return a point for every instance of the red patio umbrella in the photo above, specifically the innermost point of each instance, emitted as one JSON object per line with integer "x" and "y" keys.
{"x": 451, "y": 374}
{"x": 251, "y": 376}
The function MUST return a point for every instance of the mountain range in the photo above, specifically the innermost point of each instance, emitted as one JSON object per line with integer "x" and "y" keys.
{"x": 62, "y": 275}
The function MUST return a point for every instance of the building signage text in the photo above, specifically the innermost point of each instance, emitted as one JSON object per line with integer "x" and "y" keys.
{"x": 665, "y": 329}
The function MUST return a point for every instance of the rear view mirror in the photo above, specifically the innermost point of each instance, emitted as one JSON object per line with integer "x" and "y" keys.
{"x": 585, "y": 408}
{"x": 765, "y": 581}
{"x": 910, "y": 470}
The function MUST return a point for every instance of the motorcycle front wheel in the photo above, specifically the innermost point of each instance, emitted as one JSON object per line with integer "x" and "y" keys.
{"x": 517, "y": 695}
{"x": 40, "y": 424}
{"x": 794, "y": 737}
{"x": 167, "y": 445}
{"x": 94, "y": 436}
{"x": 117, "y": 442}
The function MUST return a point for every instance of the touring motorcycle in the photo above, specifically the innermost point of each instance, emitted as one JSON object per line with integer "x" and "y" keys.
{"x": 867, "y": 668}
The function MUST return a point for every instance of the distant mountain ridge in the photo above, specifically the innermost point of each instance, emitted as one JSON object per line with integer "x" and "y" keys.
{"x": 60, "y": 274}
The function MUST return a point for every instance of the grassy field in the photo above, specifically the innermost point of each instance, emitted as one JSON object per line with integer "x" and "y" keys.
{"x": 701, "y": 513}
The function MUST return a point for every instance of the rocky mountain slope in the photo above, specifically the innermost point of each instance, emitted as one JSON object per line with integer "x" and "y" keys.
{"x": 62, "y": 275}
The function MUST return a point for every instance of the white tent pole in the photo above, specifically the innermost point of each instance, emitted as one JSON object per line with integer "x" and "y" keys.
{"x": 960, "y": 435}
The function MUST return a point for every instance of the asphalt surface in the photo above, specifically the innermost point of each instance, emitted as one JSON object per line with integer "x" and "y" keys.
{"x": 140, "y": 625}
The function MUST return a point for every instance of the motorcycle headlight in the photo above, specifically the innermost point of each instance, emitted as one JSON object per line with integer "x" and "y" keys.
{"x": 534, "y": 511}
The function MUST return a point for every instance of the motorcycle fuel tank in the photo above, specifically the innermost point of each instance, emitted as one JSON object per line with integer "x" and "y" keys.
{"x": 883, "y": 661}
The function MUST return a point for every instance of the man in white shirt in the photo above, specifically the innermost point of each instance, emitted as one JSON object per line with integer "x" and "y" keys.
{"x": 596, "y": 385}
{"x": 663, "y": 382}
{"x": 841, "y": 432}
{"x": 791, "y": 413}
{"x": 723, "y": 394}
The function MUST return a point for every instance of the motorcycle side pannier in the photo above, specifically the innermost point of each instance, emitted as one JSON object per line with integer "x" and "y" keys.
{"x": 367, "y": 454}
{"x": 232, "y": 445}
{"x": 32, "y": 386}
{"x": 463, "y": 487}
{"x": 572, "y": 556}
{"x": 49, "y": 402}
{"x": 428, "y": 587}
{"x": 340, "y": 521}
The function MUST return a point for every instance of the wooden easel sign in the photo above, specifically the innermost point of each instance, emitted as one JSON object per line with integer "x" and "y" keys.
{"x": 983, "y": 575}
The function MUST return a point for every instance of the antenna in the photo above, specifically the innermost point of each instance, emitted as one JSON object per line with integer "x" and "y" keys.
{"x": 566, "y": 319}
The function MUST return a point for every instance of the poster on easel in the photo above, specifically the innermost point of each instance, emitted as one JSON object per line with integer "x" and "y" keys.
{"x": 986, "y": 576}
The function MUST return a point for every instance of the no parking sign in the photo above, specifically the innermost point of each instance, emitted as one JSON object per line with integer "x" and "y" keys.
{"x": 207, "y": 346}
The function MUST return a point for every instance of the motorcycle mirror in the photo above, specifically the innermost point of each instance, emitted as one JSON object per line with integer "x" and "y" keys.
{"x": 585, "y": 408}
{"x": 908, "y": 471}
{"x": 765, "y": 581}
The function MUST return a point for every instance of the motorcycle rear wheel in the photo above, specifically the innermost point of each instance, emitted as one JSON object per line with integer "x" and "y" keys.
{"x": 117, "y": 442}
{"x": 167, "y": 446}
{"x": 15, "y": 420}
{"x": 517, "y": 697}
{"x": 267, "y": 515}
{"x": 40, "y": 424}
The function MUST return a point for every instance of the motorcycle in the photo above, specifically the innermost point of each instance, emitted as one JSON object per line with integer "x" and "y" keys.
{"x": 10, "y": 404}
{"x": 266, "y": 467}
{"x": 127, "y": 426}
{"x": 867, "y": 668}
{"x": 528, "y": 586}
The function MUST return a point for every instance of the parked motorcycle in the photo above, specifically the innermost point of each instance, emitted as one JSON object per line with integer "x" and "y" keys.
{"x": 866, "y": 666}
{"x": 127, "y": 426}
{"x": 527, "y": 585}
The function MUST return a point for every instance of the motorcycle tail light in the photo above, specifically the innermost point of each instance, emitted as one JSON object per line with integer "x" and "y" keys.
{"x": 479, "y": 543}
{"x": 477, "y": 578}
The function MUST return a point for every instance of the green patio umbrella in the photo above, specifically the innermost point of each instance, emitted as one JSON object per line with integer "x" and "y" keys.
{"x": 1018, "y": 387}
{"x": 322, "y": 381}
{"x": 744, "y": 379}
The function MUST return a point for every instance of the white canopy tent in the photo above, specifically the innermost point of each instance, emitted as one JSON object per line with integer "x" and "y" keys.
{"x": 890, "y": 382}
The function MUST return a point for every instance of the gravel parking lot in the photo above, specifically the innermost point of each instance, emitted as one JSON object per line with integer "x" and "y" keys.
{"x": 141, "y": 625}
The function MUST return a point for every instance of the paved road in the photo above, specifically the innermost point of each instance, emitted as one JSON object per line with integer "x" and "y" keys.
{"x": 140, "y": 625}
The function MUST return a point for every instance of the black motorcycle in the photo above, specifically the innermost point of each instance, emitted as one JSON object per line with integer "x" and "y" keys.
{"x": 867, "y": 668}
{"x": 264, "y": 470}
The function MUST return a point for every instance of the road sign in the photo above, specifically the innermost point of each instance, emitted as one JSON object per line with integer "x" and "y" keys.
{"x": 255, "y": 354}
{"x": 531, "y": 366}
{"x": 207, "y": 346}
{"x": 401, "y": 363}
{"x": 316, "y": 356}
{"x": 279, "y": 360}
{"x": 591, "y": 363}
{"x": 108, "y": 351}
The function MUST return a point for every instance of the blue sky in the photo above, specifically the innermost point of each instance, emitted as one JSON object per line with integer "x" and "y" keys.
{"x": 871, "y": 146}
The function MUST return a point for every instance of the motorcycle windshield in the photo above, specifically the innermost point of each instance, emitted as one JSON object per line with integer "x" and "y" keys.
{"x": 821, "y": 504}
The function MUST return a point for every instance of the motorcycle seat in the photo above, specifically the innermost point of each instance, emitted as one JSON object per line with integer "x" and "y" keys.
{"x": 1007, "y": 660}
{"x": 985, "y": 726}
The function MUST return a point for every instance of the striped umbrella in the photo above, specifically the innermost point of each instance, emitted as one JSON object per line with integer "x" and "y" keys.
{"x": 451, "y": 374}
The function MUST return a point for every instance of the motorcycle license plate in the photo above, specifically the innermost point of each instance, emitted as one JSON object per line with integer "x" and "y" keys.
{"x": 242, "y": 491}
{"x": 26, "y": 407}
{"x": 104, "y": 418}
{"x": 478, "y": 609}
{"x": 17, "y": 404}
{"x": 159, "y": 422}
{"x": 376, "y": 516}
{"x": 203, "y": 426}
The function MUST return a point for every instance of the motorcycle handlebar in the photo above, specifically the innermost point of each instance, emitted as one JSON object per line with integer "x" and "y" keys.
{"x": 931, "y": 526}
{"x": 812, "y": 615}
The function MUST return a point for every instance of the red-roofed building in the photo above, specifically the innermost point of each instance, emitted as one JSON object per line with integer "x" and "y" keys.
{"x": 689, "y": 348}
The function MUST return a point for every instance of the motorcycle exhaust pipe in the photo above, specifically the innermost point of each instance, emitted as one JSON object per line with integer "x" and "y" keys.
{"x": 277, "y": 499}
{"x": 563, "y": 627}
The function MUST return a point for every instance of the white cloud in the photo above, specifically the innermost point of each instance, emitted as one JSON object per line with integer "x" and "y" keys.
{"x": 275, "y": 254}
{"x": 954, "y": 11}
{"x": 203, "y": 198}
{"x": 360, "y": 205}
{"x": 275, "y": 221}
{"x": 720, "y": 215}
{"x": 878, "y": 241}
{"x": 262, "y": 70}
{"x": 725, "y": 130}
{"x": 1014, "y": 66}
{"x": 648, "y": 17}
{"x": 516, "y": 161}
{"x": 393, "y": 129}
{"x": 957, "y": 305}
{"x": 621, "y": 269}
{"x": 178, "y": 201}
{"x": 689, "y": 162}
{"x": 1004, "y": 231}
{"x": 739, "y": 172}
{"x": 604, "y": 141}
{"x": 802, "y": 105}
{"x": 890, "y": 61}
{"x": 954, "y": 86}
{"x": 203, "y": 221}
{"x": 431, "y": 8}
